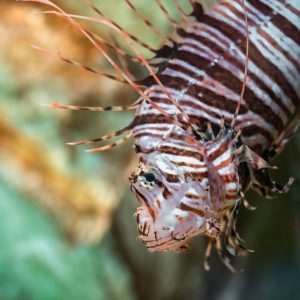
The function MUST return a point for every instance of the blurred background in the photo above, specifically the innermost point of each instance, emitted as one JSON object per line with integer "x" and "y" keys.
{"x": 66, "y": 217}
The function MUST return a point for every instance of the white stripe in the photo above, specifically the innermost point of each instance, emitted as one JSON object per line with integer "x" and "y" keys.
{"x": 181, "y": 147}
{"x": 230, "y": 186}
{"x": 199, "y": 112}
{"x": 197, "y": 101}
{"x": 231, "y": 193}
{"x": 261, "y": 17}
{"x": 283, "y": 40}
{"x": 170, "y": 109}
{"x": 186, "y": 169}
{"x": 187, "y": 159}
{"x": 268, "y": 126}
{"x": 165, "y": 167}
{"x": 240, "y": 57}
{"x": 226, "y": 155}
{"x": 216, "y": 146}
{"x": 208, "y": 82}
{"x": 278, "y": 59}
{"x": 239, "y": 74}
{"x": 221, "y": 18}
{"x": 138, "y": 130}
{"x": 228, "y": 170}
{"x": 244, "y": 121}
{"x": 251, "y": 13}
{"x": 232, "y": 15}
{"x": 174, "y": 157}
{"x": 153, "y": 125}
{"x": 284, "y": 11}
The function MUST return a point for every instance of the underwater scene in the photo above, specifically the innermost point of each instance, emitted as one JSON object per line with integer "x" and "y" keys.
{"x": 67, "y": 225}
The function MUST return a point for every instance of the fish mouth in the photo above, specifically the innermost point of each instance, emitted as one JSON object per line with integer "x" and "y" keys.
{"x": 159, "y": 238}
{"x": 162, "y": 244}
{"x": 171, "y": 242}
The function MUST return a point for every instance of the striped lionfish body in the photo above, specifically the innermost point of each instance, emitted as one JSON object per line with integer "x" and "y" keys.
{"x": 221, "y": 100}
{"x": 187, "y": 188}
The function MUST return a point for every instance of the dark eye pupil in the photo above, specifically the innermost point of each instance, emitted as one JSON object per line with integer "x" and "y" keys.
{"x": 149, "y": 177}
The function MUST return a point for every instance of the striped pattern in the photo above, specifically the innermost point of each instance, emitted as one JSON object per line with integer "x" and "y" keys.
{"x": 197, "y": 183}
{"x": 205, "y": 75}
{"x": 204, "y": 131}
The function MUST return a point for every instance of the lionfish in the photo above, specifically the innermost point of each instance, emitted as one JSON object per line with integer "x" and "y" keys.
{"x": 221, "y": 100}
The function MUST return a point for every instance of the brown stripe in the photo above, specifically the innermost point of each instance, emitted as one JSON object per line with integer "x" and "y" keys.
{"x": 193, "y": 196}
{"x": 230, "y": 197}
{"x": 157, "y": 245}
{"x": 209, "y": 98}
{"x": 150, "y": 119}
{"x": 171, "y": 177}
{"x": 219, "y": 151}
{"x": 231, "y": 82}
{"x": 179, "y": 152}
{"x": 166, "y": 193}
{"x": 231, "y": 58}
{"x": 252, "y": 130}
{"x": 229, "y": 178}
{"x": 280, "y": 49}
{"x": 191, "y": 209}
{"x": 290, "y": 29}
{"x": 294, "y": 9}
{"x": 263, "y": 8}
{"x": 184, "y": 102}
{"x": 287, "y": 27}
{"x": 222, "y": 103}
{"x": 269, "y": 68}
{"x": 158, "y": 203}
{"x": 185, "y": 164}
{"x": 281, "y": 22}
{"x": 158, "y": 128}
{"x": 150, "y": 210}
{"x": 268, "y": 12}
{"x": 144, "y": 229}
{"x": 224, "y": 164}
{"x": 196, "y": 107}
{"x": 196, "y": 176}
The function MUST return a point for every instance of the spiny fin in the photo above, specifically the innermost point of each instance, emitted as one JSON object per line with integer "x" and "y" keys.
{"x": 245, "y": 154}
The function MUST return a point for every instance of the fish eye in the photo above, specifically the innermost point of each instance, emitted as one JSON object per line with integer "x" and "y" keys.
{"x": 147, "y": 179}
{"x": 150, "y": 177}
